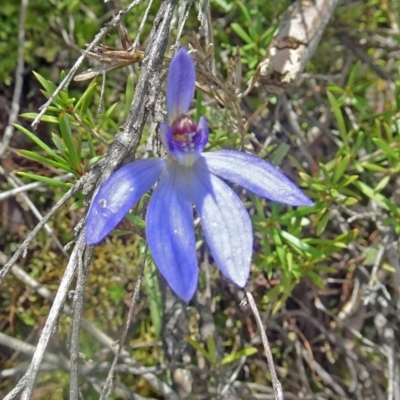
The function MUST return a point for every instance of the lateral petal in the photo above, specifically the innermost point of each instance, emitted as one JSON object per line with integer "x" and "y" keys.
{"x": 226, "y": 224}
{"x": 118, "y": 195}
{"x": 180, "y": 86}
{"x": 166, "y": 135}
{"x": 256, "y": 175}
{"x": 170, "y": 232}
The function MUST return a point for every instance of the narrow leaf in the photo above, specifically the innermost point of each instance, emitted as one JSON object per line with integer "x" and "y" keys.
{"x": 45, "y": 161}
{"x": 41, "y": 144}
{"x": 66, "y": 134}
{"x": 45, "y": 179}
{"x": 45, "y": 118}
{"x": 247, "y": 352}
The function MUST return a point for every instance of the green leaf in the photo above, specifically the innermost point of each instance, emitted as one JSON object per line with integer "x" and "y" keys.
{"x": 241, "y": 33}
{"x": 353, "y": 74}
{"x": 374, "y": 167}
{"x": 154, "y": 297}
{"x": 247, "y": 352}
{"x": 66, "y": 134}
{"x": 226, "y": 6}
{"x": 279, "y": 154}
{"x": 41, "y": 144}
{"x": 300, "y": 245}
{"x": 45, "y": 179}
{"x": 350, "y": 201}
{"x": 348, "y": 180}
{"x": 211, "y": 349}
{"x": 45, "y": 118}
{"x": 138, "y": 222}
{"x": 388, "y": 150}
{"x": 267, "y": 36}
{"x": 316, "y": 278}
{"x": 85, "y": 99}
{"x": 92, "y": 161}
{"x": 370, "y": 193}
{"x": 59, "y": 144}
{"x": 339, "y": 118}
{"x": 46, "y": 161}
{"x": 280, "y": 251}
{"x": 323, "y": 222}
{"x": 342, "y": 164}
{"x": 249, "y": 20}
{"x": 197, "y": 346}
{"x": 26, "y": 318}
{"x": 382, "y": 183}
{"x": 128, "y": 94}
{"x": 49, "y": 86}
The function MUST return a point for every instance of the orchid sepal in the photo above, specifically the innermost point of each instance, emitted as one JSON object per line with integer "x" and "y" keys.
{"x": 255, "y": 175}
{"x": 181, "y": 83}
{"x": 118, "y": 194}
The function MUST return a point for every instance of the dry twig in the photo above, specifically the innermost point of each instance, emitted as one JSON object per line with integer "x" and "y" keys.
{"x": 8, "y": 133}
{"x": 293, "y": 45}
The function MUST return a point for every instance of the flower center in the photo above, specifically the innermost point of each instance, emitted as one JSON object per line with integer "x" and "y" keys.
{"x": 184, "y": 131}
{"x": 186, "y": 140}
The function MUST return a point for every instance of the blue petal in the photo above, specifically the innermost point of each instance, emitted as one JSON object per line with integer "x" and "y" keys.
{"x": 118, "y": 195}
{"x": 202, "y": 133}
{"x": 170, "y": 232}
{"x": 180, "y": 86}
{"x": 226, "y": 224}
{"x": 256, "y": 175}
{"x": 166, "y": 136}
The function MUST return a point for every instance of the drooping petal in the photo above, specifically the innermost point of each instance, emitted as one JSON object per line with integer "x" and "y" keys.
{"x": 180, "y": 86}
{"x": 226, "y": 224}
{"x": 170, "y": 232}
{"x": 256, "y": 175}
{"x": 118, "y": 195}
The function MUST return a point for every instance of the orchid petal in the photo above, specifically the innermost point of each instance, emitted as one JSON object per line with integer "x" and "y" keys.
{"x": 180, "y": 86}
{"x": 226, "y": 224}
{"x": 118, "y": 195}
{"x": 256, "y": 175}
{"x": 170, "y": 233}
{"x": 166, "y": 136}
{"x": 202, "y": 133}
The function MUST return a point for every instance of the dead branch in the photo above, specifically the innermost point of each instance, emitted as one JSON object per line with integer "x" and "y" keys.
{"x": 8, "y": 133}
{"x": 294, "y": 43}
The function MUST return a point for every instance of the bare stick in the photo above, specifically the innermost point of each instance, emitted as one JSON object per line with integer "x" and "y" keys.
{"x": 26, "y": 348}
{"x": 136, "y": 42}
{"x": 3, "y": 272}
{"x": 66, "y": 81}
{"x": 294, "y": 43}
{"x": 79, "y": 299}
{"x": 29, "y": 378}
{"x": 354, "y": 46}
{"x": 106, "y": 392}
{"x": 274, "y": 378}
{"x": 8, "y": 133}
{"x": 183, "y": 13}
{"x": 29, "y": 186}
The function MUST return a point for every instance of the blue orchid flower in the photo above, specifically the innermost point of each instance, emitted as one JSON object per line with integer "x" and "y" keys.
{"x": 185, "y": 177}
